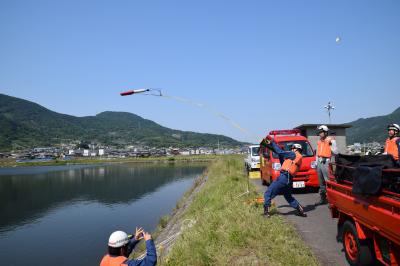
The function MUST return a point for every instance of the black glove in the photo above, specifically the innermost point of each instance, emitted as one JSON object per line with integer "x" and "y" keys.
{"x": 266, "y": 143}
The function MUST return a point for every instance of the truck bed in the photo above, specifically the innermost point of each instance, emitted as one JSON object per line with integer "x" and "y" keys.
{"x": 380, "y": 213}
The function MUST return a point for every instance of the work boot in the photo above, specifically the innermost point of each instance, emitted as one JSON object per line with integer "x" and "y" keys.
{"x": 300, "y": 211}
{"x": 322, "y": 200}
{"x": 266, "y": 212}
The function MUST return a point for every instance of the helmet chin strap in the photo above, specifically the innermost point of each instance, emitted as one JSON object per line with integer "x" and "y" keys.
{"x": 124, "y": 251}
{"x": 393, "y": 136}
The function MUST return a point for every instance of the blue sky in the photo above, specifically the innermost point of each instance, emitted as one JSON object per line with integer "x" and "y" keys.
{"x": 264, "y": 64}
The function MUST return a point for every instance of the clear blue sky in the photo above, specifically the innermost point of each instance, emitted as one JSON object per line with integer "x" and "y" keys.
{"x": 265, "y": 64}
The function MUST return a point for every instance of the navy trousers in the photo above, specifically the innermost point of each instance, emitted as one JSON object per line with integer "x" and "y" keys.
{"x": 282, "y": 185}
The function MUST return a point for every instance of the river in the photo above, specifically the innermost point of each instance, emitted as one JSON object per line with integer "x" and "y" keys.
{"x": 63, "y": 215}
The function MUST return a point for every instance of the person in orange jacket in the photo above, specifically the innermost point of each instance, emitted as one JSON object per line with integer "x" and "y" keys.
{"x": 326, "y": 146}
{"x": 392, "y": 145}
{"x": 120, "y": 246}
{"x": 291, "y": 163}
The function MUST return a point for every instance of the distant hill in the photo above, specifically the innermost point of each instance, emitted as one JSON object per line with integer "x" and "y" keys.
{"x": 372, "y": 129}
{"x": 24, "y": 124}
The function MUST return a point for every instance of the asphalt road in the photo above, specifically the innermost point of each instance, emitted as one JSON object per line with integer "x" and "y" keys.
{"x": 318, "y": 230}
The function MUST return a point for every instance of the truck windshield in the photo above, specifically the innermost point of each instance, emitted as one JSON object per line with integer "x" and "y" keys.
{"x": 254, "y": 151}
{"x": 307, "y": 150}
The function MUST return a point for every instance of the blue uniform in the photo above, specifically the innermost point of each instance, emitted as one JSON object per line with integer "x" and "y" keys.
{"x": 281, "y": 185}
{"x": 149, "y": 260}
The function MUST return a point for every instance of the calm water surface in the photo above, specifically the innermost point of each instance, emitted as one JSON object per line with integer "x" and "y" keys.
{"x": 63, "y": 215}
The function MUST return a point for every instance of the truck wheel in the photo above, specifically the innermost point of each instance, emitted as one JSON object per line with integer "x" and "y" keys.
{"x": 358, "y": 252}
{"x": 266, "y": 183}
{"x": 263, "y": 181}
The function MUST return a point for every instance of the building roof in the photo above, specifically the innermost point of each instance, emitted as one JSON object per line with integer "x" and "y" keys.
{"x": 304, "y": 126}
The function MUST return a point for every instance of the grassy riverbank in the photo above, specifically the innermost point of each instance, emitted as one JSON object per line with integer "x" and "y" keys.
{"x": 180, "y": 158}
{"x": 229, "y": 230}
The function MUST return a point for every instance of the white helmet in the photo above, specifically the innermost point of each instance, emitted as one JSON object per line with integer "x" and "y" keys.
{"x": 394, "y": 127}
{"x": 323, "y": 128}
{"x": 297, "y": 146}
{"x": 118, "y": 239}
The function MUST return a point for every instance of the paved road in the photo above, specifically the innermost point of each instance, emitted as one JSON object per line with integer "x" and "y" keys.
{"x": 318, "y": 230}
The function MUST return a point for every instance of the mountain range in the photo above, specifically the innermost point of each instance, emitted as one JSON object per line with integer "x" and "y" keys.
{"x": 372, "y": 129}
{"x": 24, "y": 124}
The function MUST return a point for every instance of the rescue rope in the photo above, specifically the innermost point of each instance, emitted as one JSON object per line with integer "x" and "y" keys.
{"x": 169, "y": 239}
{"x": 215, "y": 112}
{"x": 153, "y": 92}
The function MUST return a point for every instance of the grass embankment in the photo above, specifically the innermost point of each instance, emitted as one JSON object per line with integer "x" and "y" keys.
{"x": 229, "y": 230}
{"x": 179, "y": 158}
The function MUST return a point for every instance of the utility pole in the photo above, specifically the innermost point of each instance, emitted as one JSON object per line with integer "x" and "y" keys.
{"x": 329, "y": 108}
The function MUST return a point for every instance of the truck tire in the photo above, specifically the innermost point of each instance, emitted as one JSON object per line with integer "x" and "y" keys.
{"x": 264, "y": 183}
{"x": 358, "y": 252}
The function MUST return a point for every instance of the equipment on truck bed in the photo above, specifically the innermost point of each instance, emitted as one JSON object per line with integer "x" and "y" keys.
{"x": 368, "y": 173}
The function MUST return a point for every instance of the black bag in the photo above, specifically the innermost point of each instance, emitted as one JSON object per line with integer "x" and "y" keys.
{"x": 367, "y": 180}
{"x": 366, "y": 173}
{"x": 353, "y": 161}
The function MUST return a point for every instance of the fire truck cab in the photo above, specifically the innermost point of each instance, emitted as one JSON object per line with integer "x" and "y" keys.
{"x": 270, "y": 165}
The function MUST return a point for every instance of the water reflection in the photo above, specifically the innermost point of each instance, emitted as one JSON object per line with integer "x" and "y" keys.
{"x": 26, "y": 197}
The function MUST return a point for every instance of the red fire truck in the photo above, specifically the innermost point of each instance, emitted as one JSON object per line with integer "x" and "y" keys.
{"x": 270, "y": 165}
{"x": 367, "y": 205}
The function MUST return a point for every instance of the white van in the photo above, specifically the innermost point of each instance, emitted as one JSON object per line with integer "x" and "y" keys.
{"x": 252, "y": 161}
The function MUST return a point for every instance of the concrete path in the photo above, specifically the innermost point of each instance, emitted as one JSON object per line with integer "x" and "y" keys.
{"x": 318, "y": 230}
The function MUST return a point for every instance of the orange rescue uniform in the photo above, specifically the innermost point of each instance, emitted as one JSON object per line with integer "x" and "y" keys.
{"x": 113, "y": 261}
{"x": 292, "y": 166}
{"x": 324, "y": 148}
{"x": 391, "y": 147}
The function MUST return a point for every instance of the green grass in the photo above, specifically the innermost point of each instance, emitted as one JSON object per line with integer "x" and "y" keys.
{"x": 230, "y": 231}
{"x": 180, "y": 158}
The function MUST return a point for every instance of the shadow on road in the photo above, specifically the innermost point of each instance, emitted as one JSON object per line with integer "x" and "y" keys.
{"x": 307, "y": 208}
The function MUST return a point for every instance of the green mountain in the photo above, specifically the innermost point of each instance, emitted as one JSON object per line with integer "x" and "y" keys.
{"x": 372, "y": 129}
{"x": 24, "y": 124}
